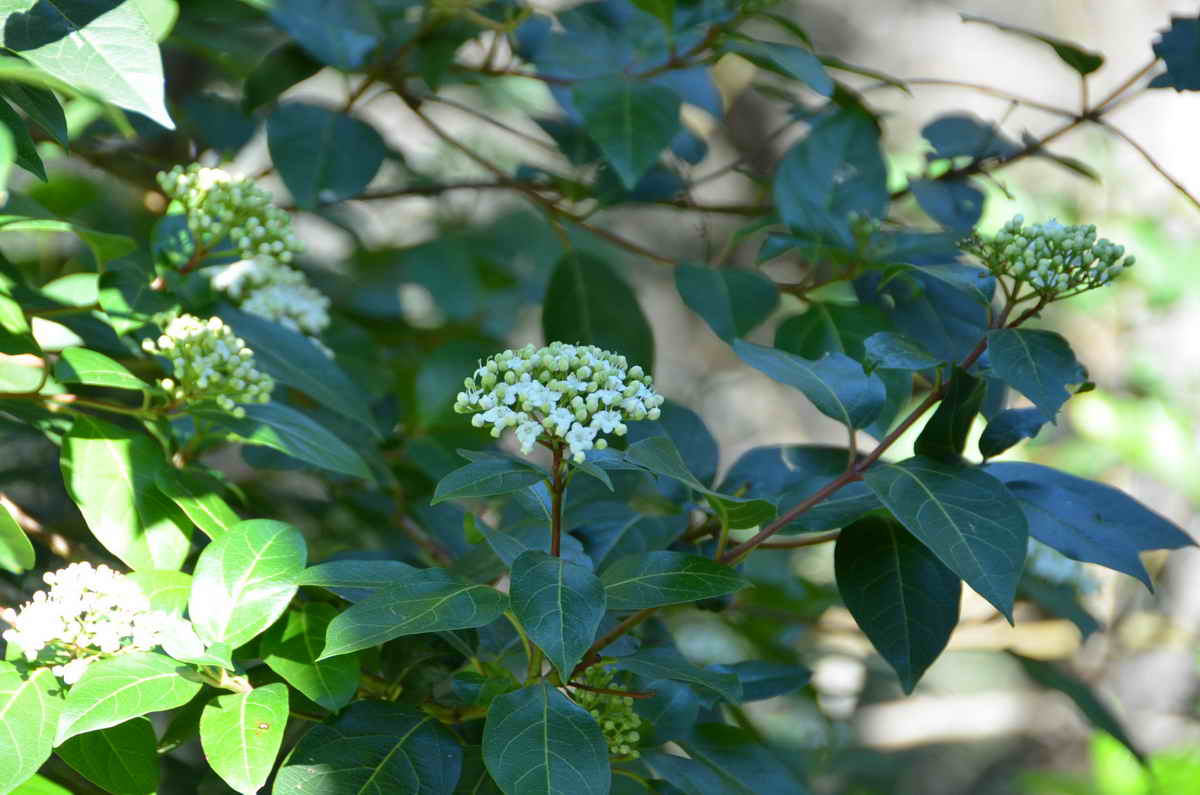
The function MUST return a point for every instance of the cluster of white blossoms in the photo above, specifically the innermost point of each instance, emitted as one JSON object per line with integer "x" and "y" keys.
{"x": 209, "y": 363}
{"x": 218, "y": 206}
{"x": 1057, "y": 261}
{"x": 1050, "y": 565}
{"x": 564, "y": 393}
{"x": 88, "y": 613}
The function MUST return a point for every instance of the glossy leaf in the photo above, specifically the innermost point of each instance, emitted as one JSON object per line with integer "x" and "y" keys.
{"x": 291, "y": 648}
{"x": 244, "y": 580}
{"x": 16, "y": 551}
{"x": 81, "y": 366}
{"x": 664, "y": 662}
{"x": 836, "y": 384}
{"x": 904, "y": 599}
{"x": 486, "y": 477}
{"x": 97, "y": 46}
{"x": 1039, "y": 364}
{"x": 121, "y": 758}
{"x": 586, "y": 301}
{"x": 354, "y": 580}
{"x": 428, "y": 600}
{"x": 29, "y": 710}
{"x": 373, "y": 747}
{"x": 1081, "y": 60}
{"x": 945, "y": 434}
{"x": 241, "y": 734}
{"x": 26, "y": 150}
{"x": 559, "y": 603}
{"x": 964, "y": 516}
{"x": 198, "y": 496}
{"x": 631, "y": 121}
{"x": 116, "y": 689}
{"x": 539, "y": 742}
{"x": 666, "y": 578}
{"x": 322, "y": 156}
{"x": 731, "y": 301}
{"x": 110, "y": 473}
{"x": 888, "y": 350}
{"x": 1085, "y": 520}
{"x": 1008, "y": 428}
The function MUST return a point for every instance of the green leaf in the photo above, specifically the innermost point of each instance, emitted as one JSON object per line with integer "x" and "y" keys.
{"x": 241, "y": 734}
{"x": 166, "y": 589}
{"x": 29, "y": 710}
{"x": 294, "y": 360}
{"x": 1038, "y": 364}
{"x": 110, "y": 474}
{"x": 836, "y": 384}
{"x": 41, "y": 106}
{"x": 904, "y": 599}
{"x": 291, "y": 648}
{"x": 8, "y": 155}
{"x": 587, "y": 302}
{"x": 81, "y": 366}
{"x": 40, "y": 785}
{"x": 630, "y": 120}
{"x": 536, "y": 741}
{"x": 116, "y": 689}
{"x": 1059, "y": 599}
{"x": 1086, "y": 699}
{"x": 282, "y": 68}
{"x": 787, "y": 60}
{"x": 244, "y": 580}
{"x": 731, "y": 301}
{"x": 559, "y": 603}
{"x": 1081, "y": 60}
{"x": 104, "y": 246}
{"x": 373, "y": 747}
{"x": 344, "y": 39}
{"x": 664, "y": 10}
{"x": 888, "y": 350}
{"x": 354, "y": 580}
{"x": 945, "y": 434}
{"x": 486, "y": 478}
{"x": 762, "y": 680}
{"x": 666, "y": 578}
{"x": 129, "y": 300}
{"x": 287, "y": 430}
{"x": 322, "y": 156}
{"x": 745, "y": 764}
{"x": 428, "y": 600}
{"x": 1009, "y": 427}
{"x": 198, "y": 495}
{"x": 97, "y": 46}
{"x": 965, "y": 516}
{"x": 26, "y": 150}
{"x": 664, "y": 662}
{"x": 121, "y": 758}
{"x": 16, "y": 553}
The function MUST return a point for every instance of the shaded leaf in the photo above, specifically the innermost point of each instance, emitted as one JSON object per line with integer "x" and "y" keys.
{"x": 955, "y": 204}
{"x": 1059, "y": 599}
{"x": 731, "y": 301}
{"x": 663, "y": 662}
{"x": 631, "y": 121}
{"x": 891, "y": 351}
{"x": 281, "y": 68}
{"x": 26, "y": 150}
{"x": 666, "y": 578}
{"x": 964, "y": 135}
{"x": 1081, "y": 60}
{"x": 121, "y": 758}
{"x": 744, "y": 763}
{"x": 1179, "y": 47}
{"x": 1038, "y": 364}
{"x": 787, "y": 60}
{"x": 762, "y": 679}
{"x": 113, "y": 690}
{"x": 559, "y": 603}
{"x": 1009, "y": 427}
{"x": 323, "y": 156}
{"x": 945, "y": 434}
{"x": 241, "y": 734}
{"x": 291, "y": 647}
{"x": 354, "y": 580}
{"x": 41, "y": 106}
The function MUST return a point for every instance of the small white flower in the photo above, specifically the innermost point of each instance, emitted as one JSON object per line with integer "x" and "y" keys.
{"x": 209, "y": 363}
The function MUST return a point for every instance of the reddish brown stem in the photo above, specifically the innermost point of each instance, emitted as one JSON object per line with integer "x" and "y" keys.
{"x": 557, "y": 487}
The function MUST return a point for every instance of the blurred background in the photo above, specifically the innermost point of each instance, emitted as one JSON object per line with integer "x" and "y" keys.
{"x": 407, "y": 272}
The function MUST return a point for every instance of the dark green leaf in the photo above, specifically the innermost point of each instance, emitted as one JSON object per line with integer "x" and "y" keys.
{"x": 964, "y": 135}
{"x": 284, "y": 429}
{"x": 731, "y": 301}
{"x": 1086, "y": 699}
{"x": 965, "y": 516}
{"x": 587, "y": 302}
{"x": 836, "y": 384}
{"x": 241, "y": 734}
{"x": 631, "y": 121}
{"x": 110, "y": 473}
{"x": 29, "y": 711}
{"x": 904, "y": 599}
{"x": 956, "y": 204}
{"x": 1059, "y": 599}
{"x": 664, "y": 662}
{"x": 559, "y": 603}
{"x": 762, "y": 679}
{"x": 945, "y": 434}
{"x": 244, "y": 580}
{"x": 198, "y": 496}
{"x": 282, "y": 68}
{"x": 121, "y": 758}
{"x": 116, "y": 689}
{"x": 1038, "y": 364}
{"x": 322, "y": 156}
{"x": 670, "y": 713}
{"x": 81, "y": 366}
{"x": 689, "y": 776}
{"x": 344, "y": 39}
{"x": 373, "y": 747}
{"x": 666, "y": 578}
{"x": 1085, "y": 520}
{"x": 291, "y": 648}
{"x": 26, "y": 150}
{"x": 846, "y": 505}
{"x": 538, "y": 742}
{"x": 743, "y": 762}
{"x": 97, "y": 47}
{"x": 1009, "y": 427}
{"x": 787, "y": 60}
{"x": 1082, "y": 61}
{"x": 1179, "y": 48}
{"x": 16, "y": 552}
{"x": 427, "y": 600}
{"x": 293, "y": 359}
{"x": 354, "y": 580}
{"x": 888, "y": 350}
{"x": 41, "y": 106}
{"x": 487, "y": 477}
{"x": 686, "y": 429}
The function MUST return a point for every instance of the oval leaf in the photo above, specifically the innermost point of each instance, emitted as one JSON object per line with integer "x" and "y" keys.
{"x": 559, "y": 603}
{"x": 198, "y": 496}
{"x": 16, "y": 552}
{"x": 29, "y": 711}
{"x": 291, "y": 648}
{"x": 487, "y": 477}
{"x": 241, "y": 734}
{"x": 663, "y": 662}
{"x": 731, "y": 301}
{"x": 121, "y": 758}
{"x": 1038, "y": 364}
{"x": 322, "y": 156}
{"x": 666, "y": 578}
{"x": 631, "y": 121}
{"x": 81, "y": 366}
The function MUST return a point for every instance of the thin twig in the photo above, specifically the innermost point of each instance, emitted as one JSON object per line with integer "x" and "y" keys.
{"x": 1154, "y": 164}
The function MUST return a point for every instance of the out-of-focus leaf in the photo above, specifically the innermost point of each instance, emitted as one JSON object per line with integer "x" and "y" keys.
{"x": 961, "y": 134}
{"x": 955, "y": 204}
{"x": 787, "y": 60}
{"x": 343, "y": 39}
{"x": 16, "y": 552}
{"x": 1081, "y": 60}
{"x": 1179, "y": 47}
{"x": 731, "y": 301}
{"x": 323, "y": 156}
{"x": 282, "y": 68}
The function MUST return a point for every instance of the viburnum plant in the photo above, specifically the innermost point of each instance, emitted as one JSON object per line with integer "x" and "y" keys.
{"x": 295, "y": 546}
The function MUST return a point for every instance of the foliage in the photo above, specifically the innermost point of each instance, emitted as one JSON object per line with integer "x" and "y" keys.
{"x": 433, "y": 612}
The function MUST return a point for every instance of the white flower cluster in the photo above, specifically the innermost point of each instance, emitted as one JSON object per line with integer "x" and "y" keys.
{"x": 1057, "y": 261}
{"x": 219, "y": 205}
{"x": 564, "y": 393}
{"x": 209, "y": 363}
{"x": 88, "y": 613}
{"x": 1049, "y": 564}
